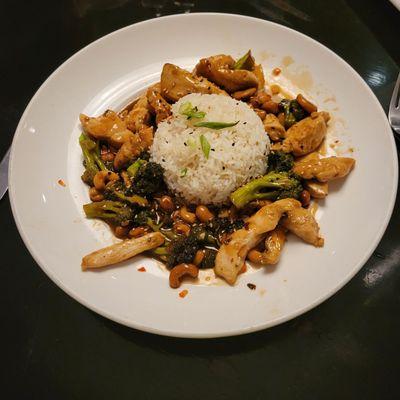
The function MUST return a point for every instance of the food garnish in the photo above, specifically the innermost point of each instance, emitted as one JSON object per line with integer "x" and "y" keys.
{"x": 190, "y": 111}
{"x": 205, "y": 146}
{"x": 215, "y": 125}
{"x": 183, "y": 172}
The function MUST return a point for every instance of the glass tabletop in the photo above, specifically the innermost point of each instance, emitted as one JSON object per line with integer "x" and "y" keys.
{"x": 55, "y": 348}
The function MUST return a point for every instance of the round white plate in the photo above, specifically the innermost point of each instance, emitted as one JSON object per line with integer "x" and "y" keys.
{"x": 113, "y": 70}
{"x": 396, "y": 3}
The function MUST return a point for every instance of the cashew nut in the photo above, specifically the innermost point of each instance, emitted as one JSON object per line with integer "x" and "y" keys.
{"x": 204, "y": 214}
{"x": 95, "y": 195}
{"x": 137, "y": 232}
{"x": 179, "y": 271}
{"x": 305, "y": 104}
{"x": 102, "y": 177}
{"x": 181, "y": 228}
{"x": 198, "y": 258}
{"x": 244, "y": 94}
{"x": 187, "y": 216}
{"x": 166, "y": 203}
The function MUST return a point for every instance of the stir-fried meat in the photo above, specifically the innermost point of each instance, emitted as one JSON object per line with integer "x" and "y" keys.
{"x": 158, "y": 105}
{"x": 274, "y": 128}
{"x": 302, "y": 223}
{"x": 325, "y": 169}
{"x": 308, "y": 157}
{"x": 318, "y": 190}
{"x": 306, "y": 135}
{"x": 231, "y": 256}
{"x": 274, "y": 243}
{"x": 219, "y": 69}
{"x": 108, "y": 127}
{"x": 130, "y": 149}
{"x": 244, "y": 94}
{"x": 133, "y": 147}
{"x": 176, "y": 83}
{"x": 146, "y": 136}
{"x": 139, "y": 117}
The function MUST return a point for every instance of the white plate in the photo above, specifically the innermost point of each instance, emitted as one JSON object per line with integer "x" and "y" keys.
{"x": 110, "y": 72}
{"x": 396, "y": 3}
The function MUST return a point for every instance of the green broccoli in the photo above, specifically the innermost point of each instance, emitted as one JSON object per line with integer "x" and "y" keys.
{"x": 208, "y": 260}
{"x": 273, "y": 186}
{"x": 92, "y": 161}
{"x": 149, "y": 218}
{"x": 142, "y": 217}
{"x": 279, "y": 161}
{"x": 182, "y": 250}
{"x": 118, "y": 191}
{"x": 114, "y": 212}
{"x": 293, "y": 112}
{"x": 134, "y": 168}
{"x": 203, "y": 234}
{"x": 220, "y": 226}
{"x": 148, "y": 180}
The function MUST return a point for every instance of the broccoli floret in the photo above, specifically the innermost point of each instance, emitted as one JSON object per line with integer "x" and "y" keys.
{"x": 92, "y": 161}
{"x": 148, "y": 180}
{"x": 293, "y": 112}
{"x": 182, "y": 250}
{"x": 113, "y": 212}
{"x": 149, "y": 218}
{"x": 118, "y": 191}
{"x": 279, "y": 161}
{"x": 203, "y": 234}
{"x": 209, "y": 258}
{"x": 219, "y": 226}
{"x": 273, "y": 186}
{"x": 142, "y": 216}
{"x": 133, "y": 169}
{"x": 144, "y": 155}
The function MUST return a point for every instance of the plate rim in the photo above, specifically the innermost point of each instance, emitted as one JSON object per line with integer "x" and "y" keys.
{"x": 233, "y": 332}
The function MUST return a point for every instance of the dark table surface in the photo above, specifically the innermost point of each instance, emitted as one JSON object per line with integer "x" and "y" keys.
{"x": 53, "y": 347}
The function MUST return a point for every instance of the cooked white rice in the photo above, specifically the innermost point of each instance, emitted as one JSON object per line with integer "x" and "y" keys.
{"x": 237, "y": 154}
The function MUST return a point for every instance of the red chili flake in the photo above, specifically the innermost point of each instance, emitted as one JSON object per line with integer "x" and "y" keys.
{"x": 276, "y": 71}
{"x": 251, "y": 286}
{"x": 61, "y": 183}
{"x": 183, "y": 293}
{"x": 142, "y": 269}
{"x": 246, "y": 226}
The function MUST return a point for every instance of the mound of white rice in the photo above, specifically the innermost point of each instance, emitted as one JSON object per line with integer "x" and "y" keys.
{"x": 237, "y": 153}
